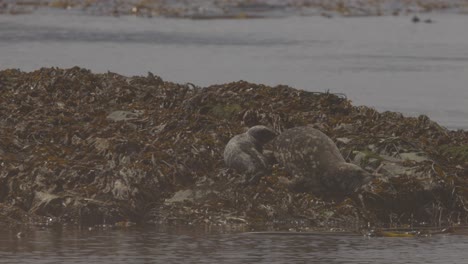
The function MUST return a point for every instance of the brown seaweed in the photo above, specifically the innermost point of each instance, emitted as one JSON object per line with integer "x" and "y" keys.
{"x": 90, "y": 149}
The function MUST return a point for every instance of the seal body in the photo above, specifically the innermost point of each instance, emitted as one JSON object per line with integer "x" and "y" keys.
{"x": 316, "y": 163}
{"x": 244, "y": 152}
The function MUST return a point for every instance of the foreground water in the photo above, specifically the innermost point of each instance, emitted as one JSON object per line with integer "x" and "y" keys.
{"x": 192, "y": 246}
{"x": 386, "y": 62}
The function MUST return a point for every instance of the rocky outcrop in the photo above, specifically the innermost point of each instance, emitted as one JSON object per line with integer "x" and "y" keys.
{"x": 84, "y": 148}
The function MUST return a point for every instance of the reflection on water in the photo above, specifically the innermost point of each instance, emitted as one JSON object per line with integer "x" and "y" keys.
{"x": 386, "y": 62}
{"x": 198, "y": 246}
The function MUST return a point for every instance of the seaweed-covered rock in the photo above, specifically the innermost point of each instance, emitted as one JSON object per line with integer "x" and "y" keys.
{"x": 84, "y": 148}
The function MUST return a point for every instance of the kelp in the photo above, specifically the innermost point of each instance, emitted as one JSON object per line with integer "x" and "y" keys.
{"x": 92, "y": 149}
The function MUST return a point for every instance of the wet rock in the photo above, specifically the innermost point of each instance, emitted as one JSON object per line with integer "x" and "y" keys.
{"x": 188, "y": 196}
{"x": 180, "y": 196}
{"x": 391, "y": 169}
{"x": 123, "y": 115}
{"x": 414, "y": 156}
{"x": 344, "y": 140}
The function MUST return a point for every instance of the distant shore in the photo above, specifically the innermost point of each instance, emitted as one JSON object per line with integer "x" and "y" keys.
{"x": 237, "y": 9}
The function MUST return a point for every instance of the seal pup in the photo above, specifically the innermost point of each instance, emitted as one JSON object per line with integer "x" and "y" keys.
{"x": 316, "y": 163}
{"x": 244, "y": 152}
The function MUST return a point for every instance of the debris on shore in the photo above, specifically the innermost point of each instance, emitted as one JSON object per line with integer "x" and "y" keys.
{"x": 91, "y": 149}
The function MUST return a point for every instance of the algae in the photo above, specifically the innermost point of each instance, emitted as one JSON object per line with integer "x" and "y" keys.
{"x": 458, "y": 153}
{"x": 225, "y": 111}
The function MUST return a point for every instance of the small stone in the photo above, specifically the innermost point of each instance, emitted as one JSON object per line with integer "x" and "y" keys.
{"x": 344, "y": 140}
{"x": 180, "y": 196}
{"x": 123, "y": 115}
{"x": 414, "y": 156}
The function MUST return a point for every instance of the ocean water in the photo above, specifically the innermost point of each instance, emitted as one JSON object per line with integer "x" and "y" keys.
{"x": 152, "y": 245}
{"x": 388, "y": 63}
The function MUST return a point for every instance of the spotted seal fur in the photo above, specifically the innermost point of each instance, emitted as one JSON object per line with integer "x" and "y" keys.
{"x": 316, "y": 163}
{"x": 244, "y": 152}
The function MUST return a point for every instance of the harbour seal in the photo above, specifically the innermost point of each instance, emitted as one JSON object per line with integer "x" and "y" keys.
{"x": 316, "y": 163}
{"x": 244, "y": 152}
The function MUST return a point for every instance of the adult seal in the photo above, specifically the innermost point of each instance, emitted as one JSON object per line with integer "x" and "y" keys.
{"x": 316, "y": 163}
{"x": 244, "y": 152}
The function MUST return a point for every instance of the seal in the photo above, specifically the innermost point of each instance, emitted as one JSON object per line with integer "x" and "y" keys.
{"x": 316, "y": 163}
{"x": 244, "y": 152}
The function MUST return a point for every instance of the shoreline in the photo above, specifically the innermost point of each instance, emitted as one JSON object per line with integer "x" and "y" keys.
{"x": 239, "y": 9}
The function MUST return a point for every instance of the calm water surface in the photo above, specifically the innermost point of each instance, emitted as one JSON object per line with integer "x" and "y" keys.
{"x": 386, "y": 62}
{"x": 191, "y": 246}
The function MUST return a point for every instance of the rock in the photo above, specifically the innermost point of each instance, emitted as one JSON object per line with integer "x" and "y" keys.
{"x": 123, "y": 115}
{"x": 414, "y": 156}
{"x": 188, "y": 195}
{"x": 344, "y": 140}
{"x": 359, "y": 158}
{"x": 391, "y": 169}
{"x": 180, "y": 196}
